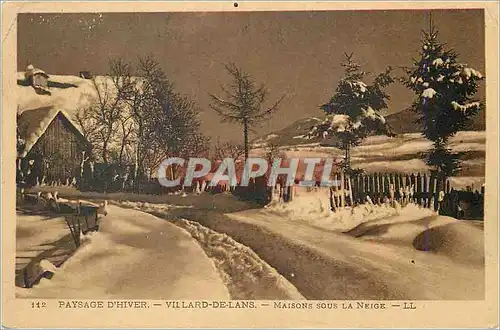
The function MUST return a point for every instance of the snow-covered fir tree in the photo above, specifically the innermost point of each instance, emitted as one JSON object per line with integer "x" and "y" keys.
{"x": 444, "y": 90}
{"x": 353, "y": 112}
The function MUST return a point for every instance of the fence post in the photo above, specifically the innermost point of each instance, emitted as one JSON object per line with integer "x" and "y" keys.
{"x": 351, "y": 199}
{"x": 361, "y": 185}
{"x": 432, "y": 179}
{"x": 334, "y": 193}
{"x": 355, "y": 188}
{"x": 342, "y": 189}
{"x": 418, "y": 189}
{"x": 373, "y": 192}
{"x": 413, "y": 183}
{"x": 386, "y": 184}
{"x": 381, "y": 184}
{"x": 424, "y": 190}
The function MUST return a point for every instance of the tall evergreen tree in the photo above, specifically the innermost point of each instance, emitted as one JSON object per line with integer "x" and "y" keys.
{"x": 353, "y": 111}
{"x": 243, "y": 102}
{"x": 444, "y": 90}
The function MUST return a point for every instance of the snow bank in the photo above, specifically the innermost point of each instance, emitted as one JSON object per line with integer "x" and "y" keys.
{"x": 245, "y": 274}
{"x": 314, "y": 208}
{"x": 134, "y": 256}
{"x": 40, "y": 237}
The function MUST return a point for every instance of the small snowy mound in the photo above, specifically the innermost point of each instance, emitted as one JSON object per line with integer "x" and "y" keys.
{"x": 461, "y": 241}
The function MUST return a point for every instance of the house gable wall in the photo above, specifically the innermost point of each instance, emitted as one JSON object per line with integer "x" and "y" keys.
{"x": 58, "y": 152}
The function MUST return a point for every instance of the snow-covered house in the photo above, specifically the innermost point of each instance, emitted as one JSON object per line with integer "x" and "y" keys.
{"x": 52, "y": 147}
{"x": 38, "y": 79}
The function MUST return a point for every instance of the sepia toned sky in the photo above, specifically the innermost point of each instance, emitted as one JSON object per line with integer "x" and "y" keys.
{"x": 293, "y": 53}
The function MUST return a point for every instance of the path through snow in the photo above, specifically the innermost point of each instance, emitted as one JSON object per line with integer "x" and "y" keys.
{"x": 244, "y": 273}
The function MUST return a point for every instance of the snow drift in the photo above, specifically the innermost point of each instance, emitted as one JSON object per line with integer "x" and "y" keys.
{"x": 460, "y": 241}
{"x": 134, "y": 256}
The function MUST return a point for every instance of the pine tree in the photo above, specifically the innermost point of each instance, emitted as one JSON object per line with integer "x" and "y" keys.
{"x": 444, "y": 90}
{"x": 243, "y": 102}
{"x": 353, "y": 112}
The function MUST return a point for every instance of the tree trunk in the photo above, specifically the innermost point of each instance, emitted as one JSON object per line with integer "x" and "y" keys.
{"x": 245, "y": 132}
{"x": 105, "y": 152}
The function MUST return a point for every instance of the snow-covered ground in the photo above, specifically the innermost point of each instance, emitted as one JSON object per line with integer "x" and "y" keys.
{"x": 244, "y": 273}
{"x": 284, "y": 251}
{"x": 409, "y": 255}
{"x": 402, "y": 154}
{"x": 40, "y": 237}
{"x": 371, "y": 252}
{"x": 134, "y": 255}
{"x": 224, "y": 202}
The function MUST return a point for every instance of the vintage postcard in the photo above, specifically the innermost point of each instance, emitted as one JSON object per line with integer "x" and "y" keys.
{"x": 249, "y": 164}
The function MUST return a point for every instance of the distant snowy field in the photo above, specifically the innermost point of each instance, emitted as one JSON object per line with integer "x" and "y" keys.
{"x": 401, "y": 154}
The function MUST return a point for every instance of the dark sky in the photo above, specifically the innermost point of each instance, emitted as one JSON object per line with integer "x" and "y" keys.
{"x": 297, "y": 53}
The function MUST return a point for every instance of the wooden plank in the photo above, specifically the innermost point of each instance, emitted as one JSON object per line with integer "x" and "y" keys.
{"x": 332, "y": 202}
{"x": 418, "y": 188}
{"x": 367, "y": 188}
{"x": 432, "y": 190}
{"x": 352, "y": 180}
{"x": 437, "y": 189}
{"x": 412, "y": 183}
{"x": 370, "y": 185}
{"x": 386, "y": 184}
{"x": 397, "y": 184}
{"x": 342, "y": 189}
{"x": 401, "y": 183}
{"x": 381, "y": 183}
{"x": 334, "y": 192}
{"x": 362, "y": 189}
{"x": 351, "y": 199}
{"x": 425, "y": 190}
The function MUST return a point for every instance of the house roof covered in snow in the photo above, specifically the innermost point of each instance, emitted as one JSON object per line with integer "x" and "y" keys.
{"x": 33, "y": 124}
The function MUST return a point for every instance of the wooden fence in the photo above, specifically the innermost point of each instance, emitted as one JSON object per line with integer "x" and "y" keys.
{"x": 427, "y": 190}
